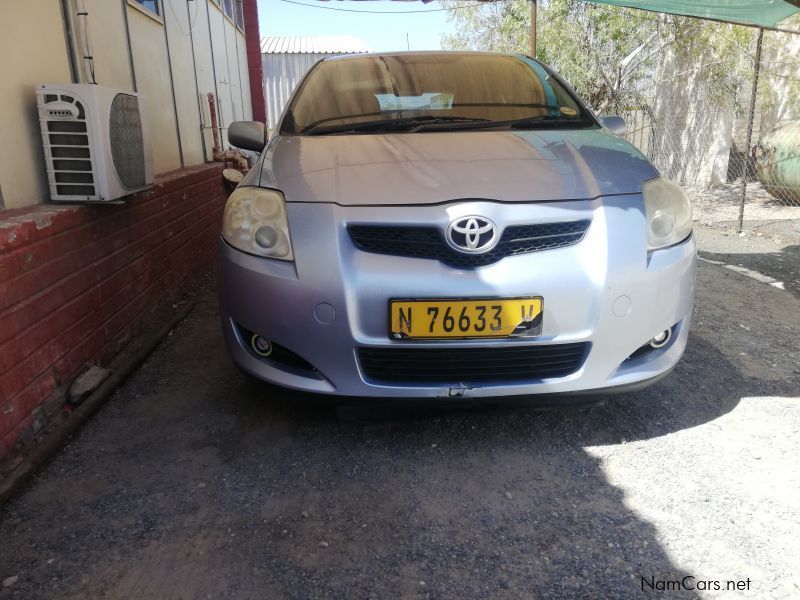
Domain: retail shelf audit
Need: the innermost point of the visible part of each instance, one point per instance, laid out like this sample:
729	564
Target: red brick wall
76	282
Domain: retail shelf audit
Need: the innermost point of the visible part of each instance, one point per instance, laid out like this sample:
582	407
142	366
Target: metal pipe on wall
212	111
85	42
69	35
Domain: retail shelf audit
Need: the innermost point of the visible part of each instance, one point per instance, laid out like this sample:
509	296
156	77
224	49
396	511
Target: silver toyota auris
451	224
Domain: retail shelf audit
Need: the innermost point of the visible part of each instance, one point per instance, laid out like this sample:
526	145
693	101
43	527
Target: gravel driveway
194	483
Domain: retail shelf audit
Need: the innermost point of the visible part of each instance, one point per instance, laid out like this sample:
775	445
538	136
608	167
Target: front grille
428	242
468	365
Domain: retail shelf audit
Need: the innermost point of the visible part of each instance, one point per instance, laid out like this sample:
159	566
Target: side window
228	8
239	14
151	5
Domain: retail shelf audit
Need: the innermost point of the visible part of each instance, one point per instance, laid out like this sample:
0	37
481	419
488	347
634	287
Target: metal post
750	118
533	29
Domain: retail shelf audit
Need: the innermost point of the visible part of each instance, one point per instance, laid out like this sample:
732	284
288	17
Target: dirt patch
721	204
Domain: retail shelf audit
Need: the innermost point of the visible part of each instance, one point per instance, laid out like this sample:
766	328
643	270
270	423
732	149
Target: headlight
255	222
668	212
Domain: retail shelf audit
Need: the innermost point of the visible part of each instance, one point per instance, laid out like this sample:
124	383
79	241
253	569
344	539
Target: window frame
238	10
236	14
156	16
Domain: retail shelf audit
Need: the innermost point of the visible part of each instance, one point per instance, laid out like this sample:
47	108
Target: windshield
427	92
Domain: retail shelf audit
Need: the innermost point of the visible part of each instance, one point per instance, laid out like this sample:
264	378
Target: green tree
583	44
615	57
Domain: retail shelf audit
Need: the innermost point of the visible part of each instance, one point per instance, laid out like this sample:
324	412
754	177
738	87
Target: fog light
260	345
660	340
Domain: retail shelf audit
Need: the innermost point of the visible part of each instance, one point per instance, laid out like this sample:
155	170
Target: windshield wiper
545	121
448	123
526	123
409	123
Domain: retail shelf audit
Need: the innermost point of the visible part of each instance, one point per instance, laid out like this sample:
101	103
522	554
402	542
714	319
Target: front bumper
606	290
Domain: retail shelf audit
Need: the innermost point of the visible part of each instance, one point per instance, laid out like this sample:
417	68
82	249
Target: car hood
426	168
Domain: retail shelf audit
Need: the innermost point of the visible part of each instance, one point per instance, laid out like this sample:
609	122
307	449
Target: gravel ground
194	483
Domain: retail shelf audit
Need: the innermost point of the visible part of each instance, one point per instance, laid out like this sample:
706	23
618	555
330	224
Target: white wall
693	134
282	73
150	61
22	176
781	70
178	16
232	80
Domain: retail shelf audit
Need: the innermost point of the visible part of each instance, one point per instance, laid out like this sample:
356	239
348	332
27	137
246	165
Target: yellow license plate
441	319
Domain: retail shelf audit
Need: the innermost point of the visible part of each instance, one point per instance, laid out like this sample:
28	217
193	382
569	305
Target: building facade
174	52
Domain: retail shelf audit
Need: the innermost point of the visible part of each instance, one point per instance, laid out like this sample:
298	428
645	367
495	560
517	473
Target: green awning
766	13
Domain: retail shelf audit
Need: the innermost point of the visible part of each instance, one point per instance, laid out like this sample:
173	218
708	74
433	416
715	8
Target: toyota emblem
473	234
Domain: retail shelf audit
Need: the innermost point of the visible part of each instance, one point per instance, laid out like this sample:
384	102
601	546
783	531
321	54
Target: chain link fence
734	147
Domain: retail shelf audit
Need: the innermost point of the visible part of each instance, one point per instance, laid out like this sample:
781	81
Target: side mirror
614	124
248	135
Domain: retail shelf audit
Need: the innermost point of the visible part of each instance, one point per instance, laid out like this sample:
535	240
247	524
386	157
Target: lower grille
466	365
428	242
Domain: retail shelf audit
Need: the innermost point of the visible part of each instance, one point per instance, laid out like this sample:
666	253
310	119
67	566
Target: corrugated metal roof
313	44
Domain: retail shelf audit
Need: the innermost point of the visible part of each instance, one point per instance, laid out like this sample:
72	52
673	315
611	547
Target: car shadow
478	499
688	397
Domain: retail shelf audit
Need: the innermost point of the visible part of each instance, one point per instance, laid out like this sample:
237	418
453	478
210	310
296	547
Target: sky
381	32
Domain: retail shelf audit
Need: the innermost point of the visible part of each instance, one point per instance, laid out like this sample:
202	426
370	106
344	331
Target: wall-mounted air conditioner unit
96	143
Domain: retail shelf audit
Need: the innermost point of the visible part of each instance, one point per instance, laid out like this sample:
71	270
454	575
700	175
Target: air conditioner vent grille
66	126
66	134
69	152
69	139
127	144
